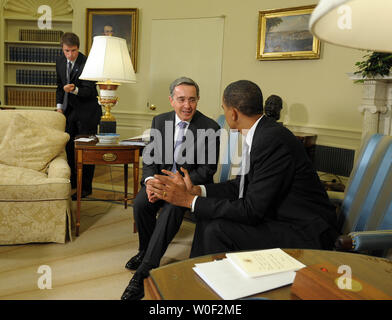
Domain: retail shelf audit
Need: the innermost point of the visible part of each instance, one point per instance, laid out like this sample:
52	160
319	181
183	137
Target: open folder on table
225	278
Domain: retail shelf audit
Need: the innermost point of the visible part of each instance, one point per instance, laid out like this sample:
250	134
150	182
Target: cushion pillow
30	145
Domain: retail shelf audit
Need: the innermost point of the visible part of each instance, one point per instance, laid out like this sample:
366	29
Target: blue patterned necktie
177	146
68	78
244	168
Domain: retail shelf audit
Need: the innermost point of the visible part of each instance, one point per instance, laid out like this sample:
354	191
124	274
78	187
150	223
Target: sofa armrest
59	168
371	240
335	195
365	240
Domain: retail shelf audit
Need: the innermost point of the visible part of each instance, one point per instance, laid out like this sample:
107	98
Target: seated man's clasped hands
174	188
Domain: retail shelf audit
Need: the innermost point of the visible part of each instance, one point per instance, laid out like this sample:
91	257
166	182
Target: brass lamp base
107	99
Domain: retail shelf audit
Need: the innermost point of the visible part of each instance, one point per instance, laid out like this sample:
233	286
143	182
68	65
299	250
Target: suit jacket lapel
76	67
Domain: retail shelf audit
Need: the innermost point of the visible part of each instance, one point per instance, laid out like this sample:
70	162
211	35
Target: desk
94	153
178	281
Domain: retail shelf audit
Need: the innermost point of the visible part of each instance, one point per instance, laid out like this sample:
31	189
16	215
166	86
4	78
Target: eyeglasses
182	100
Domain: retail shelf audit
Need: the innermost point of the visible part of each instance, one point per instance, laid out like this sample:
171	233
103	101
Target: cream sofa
35	188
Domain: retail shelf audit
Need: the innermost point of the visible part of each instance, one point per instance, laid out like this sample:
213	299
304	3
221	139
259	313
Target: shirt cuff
59	106
193	204
203	190
203	194
76	90
148	178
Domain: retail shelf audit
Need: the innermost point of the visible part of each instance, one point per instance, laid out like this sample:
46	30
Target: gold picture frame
283	34
122	23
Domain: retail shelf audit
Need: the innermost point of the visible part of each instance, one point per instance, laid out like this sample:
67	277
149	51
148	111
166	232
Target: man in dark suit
77	100
183	137
277	201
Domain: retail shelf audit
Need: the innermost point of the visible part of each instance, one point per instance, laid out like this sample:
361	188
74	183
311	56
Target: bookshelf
28	62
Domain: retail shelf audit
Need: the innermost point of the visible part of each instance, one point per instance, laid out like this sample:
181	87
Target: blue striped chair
227	153
366	211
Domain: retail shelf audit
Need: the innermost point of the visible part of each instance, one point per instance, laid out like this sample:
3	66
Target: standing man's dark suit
82	110
284	203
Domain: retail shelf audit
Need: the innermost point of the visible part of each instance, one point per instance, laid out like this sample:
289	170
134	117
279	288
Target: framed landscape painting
122	23
284	34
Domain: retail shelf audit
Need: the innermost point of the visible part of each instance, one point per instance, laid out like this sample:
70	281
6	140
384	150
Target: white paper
264	262
132	143
84	139
231	284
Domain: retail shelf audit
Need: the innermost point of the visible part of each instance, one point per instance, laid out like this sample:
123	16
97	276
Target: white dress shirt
176	131
248	138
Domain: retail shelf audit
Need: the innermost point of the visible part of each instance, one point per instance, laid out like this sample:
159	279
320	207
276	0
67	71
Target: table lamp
360	24
110	64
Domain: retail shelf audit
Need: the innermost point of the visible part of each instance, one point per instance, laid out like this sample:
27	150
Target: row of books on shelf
31	98
38	77
32	54
40	35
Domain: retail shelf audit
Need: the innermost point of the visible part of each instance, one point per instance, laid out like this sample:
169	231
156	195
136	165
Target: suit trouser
155	233
76	127
221	235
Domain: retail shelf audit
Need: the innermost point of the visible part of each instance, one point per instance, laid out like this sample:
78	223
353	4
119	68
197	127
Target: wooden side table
95	153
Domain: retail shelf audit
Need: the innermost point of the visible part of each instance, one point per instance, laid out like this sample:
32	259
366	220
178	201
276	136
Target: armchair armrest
59	168
365	240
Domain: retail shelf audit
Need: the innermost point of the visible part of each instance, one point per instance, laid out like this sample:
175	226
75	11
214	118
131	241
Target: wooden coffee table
178	281
95	153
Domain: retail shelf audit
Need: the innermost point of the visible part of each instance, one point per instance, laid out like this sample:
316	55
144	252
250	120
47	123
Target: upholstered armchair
365	214
34	180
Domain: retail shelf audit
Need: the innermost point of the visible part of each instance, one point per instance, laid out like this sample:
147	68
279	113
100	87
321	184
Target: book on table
263	262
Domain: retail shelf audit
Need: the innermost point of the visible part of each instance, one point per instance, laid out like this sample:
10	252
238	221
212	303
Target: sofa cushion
30	145
21	184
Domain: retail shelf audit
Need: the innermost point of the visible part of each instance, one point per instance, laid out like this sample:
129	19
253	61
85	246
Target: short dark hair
184	80
244	95
70	39
273	106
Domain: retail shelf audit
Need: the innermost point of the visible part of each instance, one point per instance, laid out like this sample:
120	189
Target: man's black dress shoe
83	195
135	261
135	288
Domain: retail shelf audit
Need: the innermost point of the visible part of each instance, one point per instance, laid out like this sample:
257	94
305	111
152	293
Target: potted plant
375	64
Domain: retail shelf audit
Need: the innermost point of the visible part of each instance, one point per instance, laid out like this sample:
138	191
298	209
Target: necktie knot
182	124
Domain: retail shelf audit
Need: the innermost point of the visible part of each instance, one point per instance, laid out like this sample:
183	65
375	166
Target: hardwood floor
108	183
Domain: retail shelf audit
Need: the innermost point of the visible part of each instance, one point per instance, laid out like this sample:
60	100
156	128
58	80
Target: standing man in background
77	100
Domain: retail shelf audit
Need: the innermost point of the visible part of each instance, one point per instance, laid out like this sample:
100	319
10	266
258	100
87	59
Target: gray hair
183	80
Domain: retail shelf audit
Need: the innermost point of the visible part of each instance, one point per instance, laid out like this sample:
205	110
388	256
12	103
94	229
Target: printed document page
231	284
264	262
